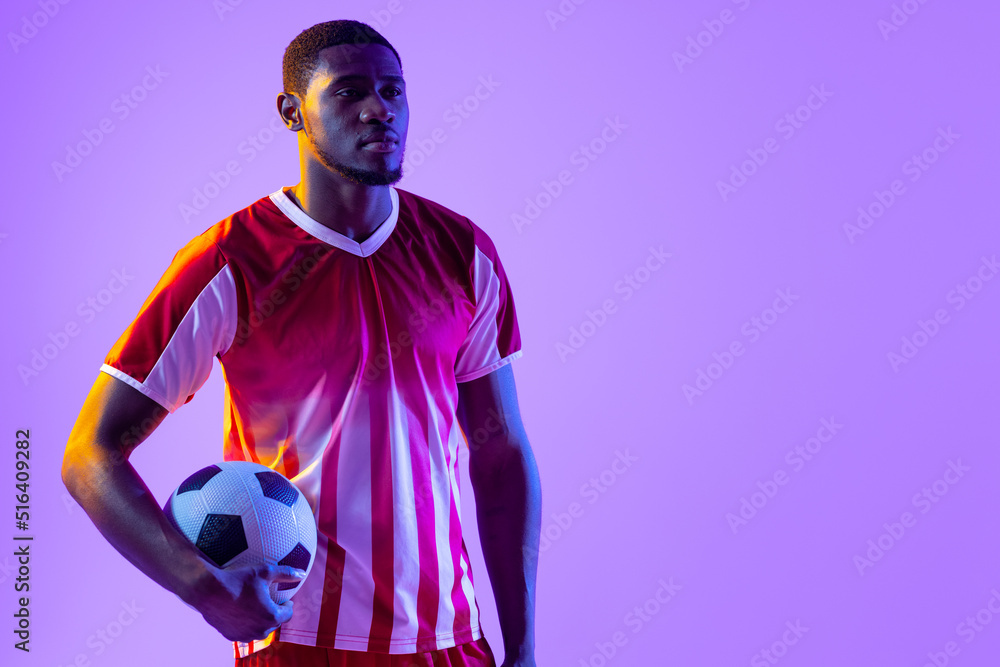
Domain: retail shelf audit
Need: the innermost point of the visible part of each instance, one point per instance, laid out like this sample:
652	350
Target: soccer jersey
341	362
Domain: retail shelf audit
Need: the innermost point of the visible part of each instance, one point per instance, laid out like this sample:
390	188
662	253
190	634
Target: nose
377	110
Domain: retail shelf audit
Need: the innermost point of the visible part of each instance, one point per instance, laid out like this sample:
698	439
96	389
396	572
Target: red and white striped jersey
341	362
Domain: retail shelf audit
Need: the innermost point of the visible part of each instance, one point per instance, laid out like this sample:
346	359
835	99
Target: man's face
355	113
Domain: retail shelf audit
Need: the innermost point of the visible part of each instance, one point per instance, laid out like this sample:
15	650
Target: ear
290	110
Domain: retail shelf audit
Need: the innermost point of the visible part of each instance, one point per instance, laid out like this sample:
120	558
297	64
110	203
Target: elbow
499	457
87	464
71	466
78	465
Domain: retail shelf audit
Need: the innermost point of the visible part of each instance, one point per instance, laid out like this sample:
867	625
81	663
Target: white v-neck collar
334	238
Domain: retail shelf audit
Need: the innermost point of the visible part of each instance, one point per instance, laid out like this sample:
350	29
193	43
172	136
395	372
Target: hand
236	601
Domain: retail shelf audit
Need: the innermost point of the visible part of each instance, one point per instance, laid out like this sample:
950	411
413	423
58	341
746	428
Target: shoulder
223	248
237	233
430	214
427	210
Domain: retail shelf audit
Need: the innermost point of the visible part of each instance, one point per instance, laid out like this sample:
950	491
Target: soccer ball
243	513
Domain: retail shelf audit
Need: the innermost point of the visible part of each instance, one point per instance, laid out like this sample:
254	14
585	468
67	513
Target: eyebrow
364	77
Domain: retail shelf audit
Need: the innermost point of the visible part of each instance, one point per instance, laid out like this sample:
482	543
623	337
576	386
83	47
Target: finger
286	574
264	571
280	573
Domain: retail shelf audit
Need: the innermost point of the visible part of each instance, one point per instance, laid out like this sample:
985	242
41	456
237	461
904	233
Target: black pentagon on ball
222	538
298	557
275	486
199	479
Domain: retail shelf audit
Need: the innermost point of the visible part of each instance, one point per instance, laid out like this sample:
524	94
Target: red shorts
283	654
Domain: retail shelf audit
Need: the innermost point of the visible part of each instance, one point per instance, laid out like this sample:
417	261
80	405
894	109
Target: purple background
693	458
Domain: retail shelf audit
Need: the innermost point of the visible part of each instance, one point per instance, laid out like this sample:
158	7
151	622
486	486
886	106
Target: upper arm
490	417
114	419
487	399
163	357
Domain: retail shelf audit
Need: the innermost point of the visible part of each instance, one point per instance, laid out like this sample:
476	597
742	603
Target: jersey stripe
443	479
350	465
458	599
424	494
467	588
406	559
382	533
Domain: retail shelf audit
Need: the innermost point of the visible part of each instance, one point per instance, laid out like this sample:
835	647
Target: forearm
508	509
126	513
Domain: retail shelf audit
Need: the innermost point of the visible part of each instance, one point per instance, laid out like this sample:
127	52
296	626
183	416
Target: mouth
384	146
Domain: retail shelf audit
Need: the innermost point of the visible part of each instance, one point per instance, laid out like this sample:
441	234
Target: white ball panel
277	528
189	512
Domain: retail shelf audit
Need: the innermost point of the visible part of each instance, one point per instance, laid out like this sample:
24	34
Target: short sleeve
189	318
494	339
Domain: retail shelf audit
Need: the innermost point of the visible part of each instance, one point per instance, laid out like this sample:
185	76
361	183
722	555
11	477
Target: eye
347	92
394	92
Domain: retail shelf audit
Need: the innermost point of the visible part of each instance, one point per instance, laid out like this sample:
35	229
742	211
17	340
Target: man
357	326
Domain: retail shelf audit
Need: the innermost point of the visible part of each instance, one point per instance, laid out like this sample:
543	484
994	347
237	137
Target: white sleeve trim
489	369
143	389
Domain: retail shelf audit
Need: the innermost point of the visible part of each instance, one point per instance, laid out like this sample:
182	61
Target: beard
361	176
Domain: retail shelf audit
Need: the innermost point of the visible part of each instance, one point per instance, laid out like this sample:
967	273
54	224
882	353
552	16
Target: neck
345	207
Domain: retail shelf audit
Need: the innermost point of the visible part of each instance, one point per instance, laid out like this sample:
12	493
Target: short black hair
302	55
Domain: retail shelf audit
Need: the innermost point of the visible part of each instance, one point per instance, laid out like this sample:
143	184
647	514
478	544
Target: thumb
283	613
